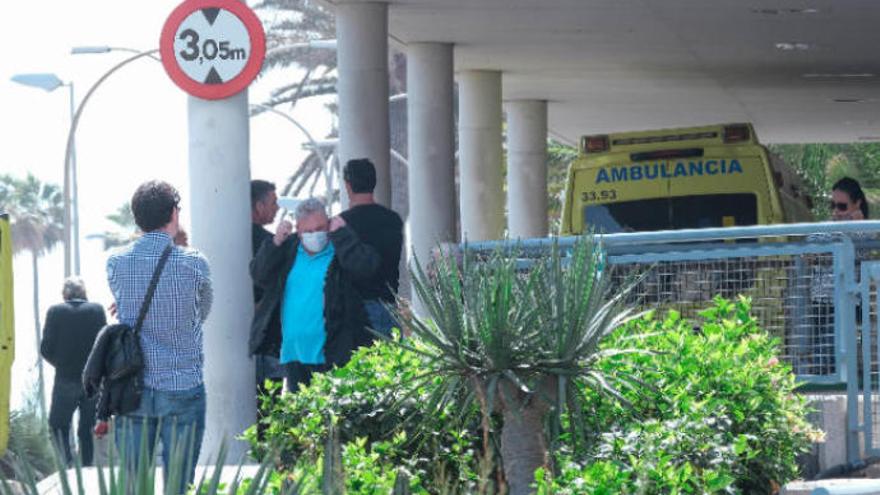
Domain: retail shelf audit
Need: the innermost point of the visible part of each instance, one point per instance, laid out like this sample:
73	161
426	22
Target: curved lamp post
84	50
74	121
311	139
80	50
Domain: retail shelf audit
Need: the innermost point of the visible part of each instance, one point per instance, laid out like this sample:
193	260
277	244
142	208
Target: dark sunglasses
839	206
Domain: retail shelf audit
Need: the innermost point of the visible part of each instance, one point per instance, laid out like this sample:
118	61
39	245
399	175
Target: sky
133	129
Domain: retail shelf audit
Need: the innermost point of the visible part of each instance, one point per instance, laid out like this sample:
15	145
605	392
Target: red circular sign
212	49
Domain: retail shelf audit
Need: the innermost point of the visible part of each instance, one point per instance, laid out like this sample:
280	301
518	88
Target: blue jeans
379	317
172	417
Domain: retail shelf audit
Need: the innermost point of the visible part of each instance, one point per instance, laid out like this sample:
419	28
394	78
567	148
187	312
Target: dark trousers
268	369
67	396
301	373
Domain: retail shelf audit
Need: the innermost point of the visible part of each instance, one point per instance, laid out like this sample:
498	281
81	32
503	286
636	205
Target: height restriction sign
212	48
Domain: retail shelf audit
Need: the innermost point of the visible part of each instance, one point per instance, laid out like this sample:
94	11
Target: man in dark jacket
310	277
264	207
381	229
68	335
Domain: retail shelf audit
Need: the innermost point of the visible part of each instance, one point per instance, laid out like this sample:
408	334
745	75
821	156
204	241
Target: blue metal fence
804	282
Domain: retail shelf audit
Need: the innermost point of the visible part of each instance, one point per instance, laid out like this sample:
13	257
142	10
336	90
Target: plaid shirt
171	338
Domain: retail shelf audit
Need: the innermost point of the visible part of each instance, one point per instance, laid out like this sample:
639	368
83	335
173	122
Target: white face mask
315	242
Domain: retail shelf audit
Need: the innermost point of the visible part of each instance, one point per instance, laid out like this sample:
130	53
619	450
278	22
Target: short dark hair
153	204
259	190
854	190
361	175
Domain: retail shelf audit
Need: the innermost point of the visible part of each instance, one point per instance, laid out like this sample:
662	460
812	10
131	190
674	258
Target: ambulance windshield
687	212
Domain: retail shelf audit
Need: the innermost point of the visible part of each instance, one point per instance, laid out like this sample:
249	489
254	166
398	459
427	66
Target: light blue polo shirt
302	309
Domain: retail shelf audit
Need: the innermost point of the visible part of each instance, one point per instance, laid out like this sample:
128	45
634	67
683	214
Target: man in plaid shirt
173	401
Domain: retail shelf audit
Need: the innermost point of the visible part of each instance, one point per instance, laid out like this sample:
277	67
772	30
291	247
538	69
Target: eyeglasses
839	206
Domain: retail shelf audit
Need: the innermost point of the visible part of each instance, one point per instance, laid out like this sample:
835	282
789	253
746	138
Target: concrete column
480	155
362	54
219	171
526	168
429	83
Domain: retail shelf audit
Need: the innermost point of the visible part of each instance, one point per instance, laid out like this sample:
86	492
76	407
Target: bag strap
152	289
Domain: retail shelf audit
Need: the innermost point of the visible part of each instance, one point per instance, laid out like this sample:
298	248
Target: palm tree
125	230
36	210
291	23
520	343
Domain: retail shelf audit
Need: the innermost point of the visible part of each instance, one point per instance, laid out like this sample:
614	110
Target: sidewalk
52	484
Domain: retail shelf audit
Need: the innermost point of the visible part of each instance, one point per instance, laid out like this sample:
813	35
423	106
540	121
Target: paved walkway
860	486
52	484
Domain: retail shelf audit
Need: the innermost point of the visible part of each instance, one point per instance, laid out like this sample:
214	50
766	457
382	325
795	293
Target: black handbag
126	357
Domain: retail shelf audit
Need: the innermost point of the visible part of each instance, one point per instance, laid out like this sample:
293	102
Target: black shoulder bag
125	355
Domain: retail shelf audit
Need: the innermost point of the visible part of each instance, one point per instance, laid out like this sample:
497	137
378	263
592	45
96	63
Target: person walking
172	405
68	336
380	229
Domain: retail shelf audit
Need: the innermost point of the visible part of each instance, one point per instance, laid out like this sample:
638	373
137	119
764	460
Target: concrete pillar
219	171
526	168
362	54
430	84
480	155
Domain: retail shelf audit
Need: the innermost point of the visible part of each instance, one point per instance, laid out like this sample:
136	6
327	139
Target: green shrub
378	404
717	412
708	409
29	439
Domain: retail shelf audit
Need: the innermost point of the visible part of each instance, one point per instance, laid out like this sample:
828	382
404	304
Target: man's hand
285	229
101	429
336	223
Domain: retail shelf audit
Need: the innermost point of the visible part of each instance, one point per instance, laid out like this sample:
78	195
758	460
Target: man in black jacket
68	335
264	207
310	278
381	229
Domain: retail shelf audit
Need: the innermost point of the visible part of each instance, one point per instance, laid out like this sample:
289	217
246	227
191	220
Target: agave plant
115	479
520	342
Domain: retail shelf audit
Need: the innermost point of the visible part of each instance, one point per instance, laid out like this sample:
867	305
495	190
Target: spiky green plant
114	479
519	342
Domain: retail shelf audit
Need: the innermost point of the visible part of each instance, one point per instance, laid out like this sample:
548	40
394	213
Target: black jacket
345	319
271	343
117	396
68	335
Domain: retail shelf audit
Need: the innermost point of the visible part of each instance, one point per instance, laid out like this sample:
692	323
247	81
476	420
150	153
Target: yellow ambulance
7	328
669	179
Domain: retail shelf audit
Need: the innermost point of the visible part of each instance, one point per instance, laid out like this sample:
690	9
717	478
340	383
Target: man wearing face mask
308	277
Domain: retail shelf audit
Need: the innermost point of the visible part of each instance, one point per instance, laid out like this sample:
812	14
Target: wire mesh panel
792	294
870	375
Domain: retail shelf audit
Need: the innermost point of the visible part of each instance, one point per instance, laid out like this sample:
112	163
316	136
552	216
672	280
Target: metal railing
804	282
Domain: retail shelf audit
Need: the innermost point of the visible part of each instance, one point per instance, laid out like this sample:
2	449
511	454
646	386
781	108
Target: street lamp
308	136
69	153
85	50
49	83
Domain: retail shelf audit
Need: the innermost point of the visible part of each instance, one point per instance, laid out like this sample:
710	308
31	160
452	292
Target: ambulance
684	178
7	328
